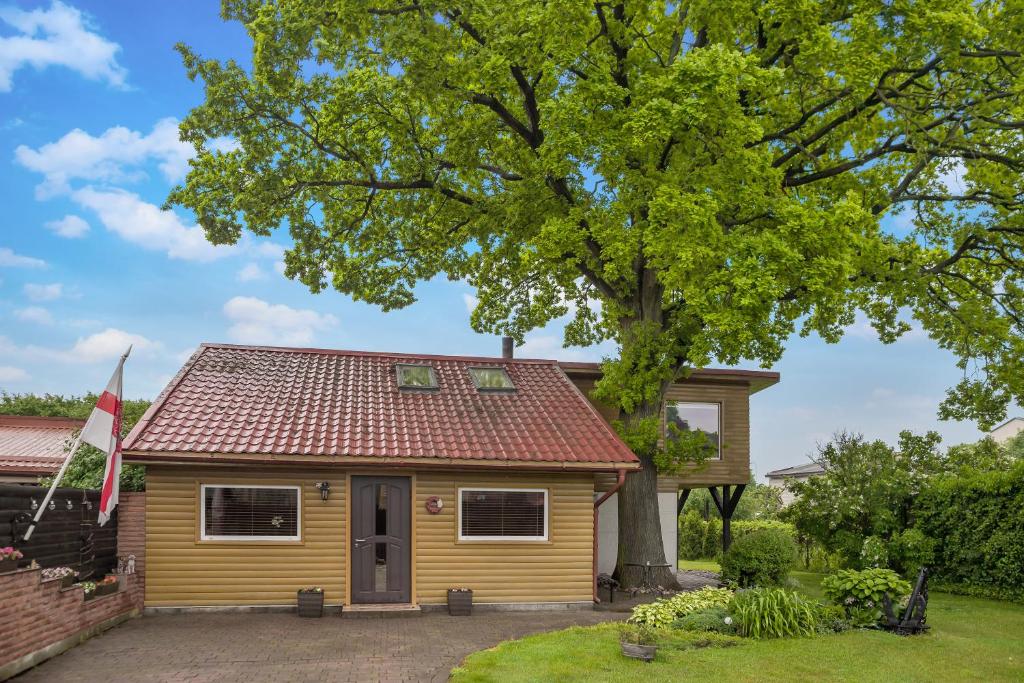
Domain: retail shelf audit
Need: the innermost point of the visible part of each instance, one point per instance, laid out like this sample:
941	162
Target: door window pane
381	510
380	567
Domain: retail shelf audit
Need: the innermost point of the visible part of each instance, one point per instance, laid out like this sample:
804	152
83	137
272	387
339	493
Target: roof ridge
376	354
156	405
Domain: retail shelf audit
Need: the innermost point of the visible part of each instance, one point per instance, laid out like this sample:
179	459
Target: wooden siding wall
181	570
559	570
734	467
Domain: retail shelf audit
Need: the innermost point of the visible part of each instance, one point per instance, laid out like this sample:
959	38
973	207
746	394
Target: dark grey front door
380	539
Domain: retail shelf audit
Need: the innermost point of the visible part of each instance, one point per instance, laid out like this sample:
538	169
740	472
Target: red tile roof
266	401
34	445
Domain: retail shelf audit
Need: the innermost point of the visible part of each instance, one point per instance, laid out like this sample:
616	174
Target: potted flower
460	602
66	575
9	559
311	601
638	641
89	588
107	586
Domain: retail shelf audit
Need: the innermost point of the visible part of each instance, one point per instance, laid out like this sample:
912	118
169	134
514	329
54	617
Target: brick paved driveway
253	648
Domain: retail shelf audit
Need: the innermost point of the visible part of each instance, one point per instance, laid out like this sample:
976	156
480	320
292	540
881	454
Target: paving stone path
258	648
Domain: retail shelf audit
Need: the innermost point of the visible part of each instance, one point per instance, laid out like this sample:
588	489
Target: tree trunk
640	540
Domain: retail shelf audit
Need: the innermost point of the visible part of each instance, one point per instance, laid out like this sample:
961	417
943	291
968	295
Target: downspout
608	494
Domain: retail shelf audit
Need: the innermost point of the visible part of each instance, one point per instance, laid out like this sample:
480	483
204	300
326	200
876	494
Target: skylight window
416	376
491	379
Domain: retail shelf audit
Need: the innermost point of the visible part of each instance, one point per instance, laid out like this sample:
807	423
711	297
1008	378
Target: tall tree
694	180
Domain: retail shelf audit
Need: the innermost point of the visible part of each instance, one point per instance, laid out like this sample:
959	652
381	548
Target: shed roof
34	445
234	402
810	468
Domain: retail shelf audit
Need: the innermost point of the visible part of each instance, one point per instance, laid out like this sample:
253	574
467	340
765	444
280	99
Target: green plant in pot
638	641
311	602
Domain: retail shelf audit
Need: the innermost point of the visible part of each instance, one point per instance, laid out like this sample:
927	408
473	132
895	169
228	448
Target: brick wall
40	619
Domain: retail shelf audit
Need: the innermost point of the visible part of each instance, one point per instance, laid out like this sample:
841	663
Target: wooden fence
67	535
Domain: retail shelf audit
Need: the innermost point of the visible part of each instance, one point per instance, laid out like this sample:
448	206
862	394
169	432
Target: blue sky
89	96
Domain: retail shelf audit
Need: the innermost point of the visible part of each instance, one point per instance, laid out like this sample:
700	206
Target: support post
726	503
682	501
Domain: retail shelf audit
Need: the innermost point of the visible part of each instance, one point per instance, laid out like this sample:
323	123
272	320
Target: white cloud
111	157
34	314
44	292
250	272
70	226
470	301
255	321
58	36
106	345
550	346
279	267
9	259
9	373
148	226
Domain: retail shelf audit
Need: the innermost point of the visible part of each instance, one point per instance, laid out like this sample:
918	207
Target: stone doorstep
381	610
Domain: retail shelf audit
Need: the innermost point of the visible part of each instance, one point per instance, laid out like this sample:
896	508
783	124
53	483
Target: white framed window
503	514
242	512
690	416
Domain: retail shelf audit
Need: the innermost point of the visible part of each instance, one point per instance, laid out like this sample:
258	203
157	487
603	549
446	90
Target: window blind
503	514
251	512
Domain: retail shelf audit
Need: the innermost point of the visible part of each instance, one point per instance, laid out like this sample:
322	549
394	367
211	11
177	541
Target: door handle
360	540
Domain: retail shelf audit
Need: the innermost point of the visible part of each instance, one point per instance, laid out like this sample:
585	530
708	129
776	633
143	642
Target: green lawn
972	639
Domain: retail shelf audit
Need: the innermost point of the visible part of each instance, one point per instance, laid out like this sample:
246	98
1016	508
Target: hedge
976	520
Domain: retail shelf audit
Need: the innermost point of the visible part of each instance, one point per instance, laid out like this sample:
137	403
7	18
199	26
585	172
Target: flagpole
53	487
63	468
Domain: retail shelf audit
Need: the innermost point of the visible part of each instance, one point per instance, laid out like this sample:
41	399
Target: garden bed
971	639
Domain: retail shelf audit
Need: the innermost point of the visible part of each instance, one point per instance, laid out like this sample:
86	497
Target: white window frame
203	536
505	539
721	409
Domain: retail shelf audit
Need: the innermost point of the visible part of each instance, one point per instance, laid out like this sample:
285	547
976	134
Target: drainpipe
608	494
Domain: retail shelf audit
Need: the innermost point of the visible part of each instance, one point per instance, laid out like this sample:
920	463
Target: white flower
728	621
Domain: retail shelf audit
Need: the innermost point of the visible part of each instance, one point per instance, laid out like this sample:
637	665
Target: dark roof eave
755	379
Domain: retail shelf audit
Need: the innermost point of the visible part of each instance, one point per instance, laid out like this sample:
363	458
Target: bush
773	613
911	550
975	521
712	538
691	536
662	613
860	592
832	619
712	620
761	558
874	553
748	526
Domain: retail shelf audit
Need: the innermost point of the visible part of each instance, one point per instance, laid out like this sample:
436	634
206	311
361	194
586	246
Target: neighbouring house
390	478
1007	430
780	478
33	447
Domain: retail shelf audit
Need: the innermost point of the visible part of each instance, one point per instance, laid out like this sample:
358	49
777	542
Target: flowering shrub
860	592
58	573
9	553
662	613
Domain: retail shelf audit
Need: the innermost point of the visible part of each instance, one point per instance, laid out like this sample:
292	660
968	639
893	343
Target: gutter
607	494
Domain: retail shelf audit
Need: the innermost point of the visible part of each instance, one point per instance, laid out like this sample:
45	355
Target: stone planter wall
40	619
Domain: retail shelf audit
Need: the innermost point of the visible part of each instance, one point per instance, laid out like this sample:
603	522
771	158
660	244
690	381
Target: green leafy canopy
694	180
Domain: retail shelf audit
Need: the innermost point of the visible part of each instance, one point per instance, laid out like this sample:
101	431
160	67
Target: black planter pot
8	565
311	603
68	581
460	603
